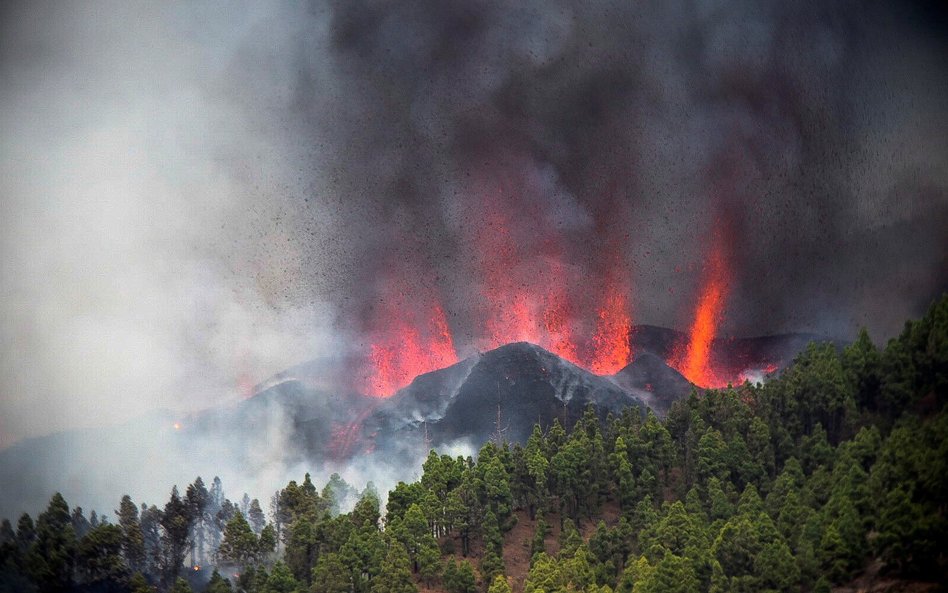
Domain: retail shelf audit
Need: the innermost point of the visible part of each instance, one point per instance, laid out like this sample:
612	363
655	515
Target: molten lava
529	291
558	332
611	345
693	360
559	338
509	309
409	349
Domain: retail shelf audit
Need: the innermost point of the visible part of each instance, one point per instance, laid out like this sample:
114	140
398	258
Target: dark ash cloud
192	194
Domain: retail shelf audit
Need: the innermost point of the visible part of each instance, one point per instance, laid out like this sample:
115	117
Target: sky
195	196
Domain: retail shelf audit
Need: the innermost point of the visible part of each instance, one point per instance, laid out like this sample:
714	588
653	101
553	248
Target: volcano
498	394
306	418
503	392
650	379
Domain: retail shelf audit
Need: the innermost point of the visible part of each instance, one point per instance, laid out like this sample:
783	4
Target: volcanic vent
502	393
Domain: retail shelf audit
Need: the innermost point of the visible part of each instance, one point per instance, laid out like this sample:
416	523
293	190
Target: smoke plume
196	196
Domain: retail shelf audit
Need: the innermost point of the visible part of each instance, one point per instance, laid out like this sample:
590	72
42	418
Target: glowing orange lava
407	350
509	310
559	339
694	360
611	347
529	289
558	333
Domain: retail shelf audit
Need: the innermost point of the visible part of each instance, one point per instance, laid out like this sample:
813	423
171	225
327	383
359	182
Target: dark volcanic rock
656	383
508	389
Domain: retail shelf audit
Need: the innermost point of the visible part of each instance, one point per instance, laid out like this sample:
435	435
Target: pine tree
198	498
577	571
80	525
538	472
862	364
413	532
791	519
133	539
833	555
331	575
492	564
622	470
712	456
719	507
25	532
280	580
100	558
138	584
151	523
776	568
335	493
675	531
302	548
52	555
900	537
570	539
537	544
176	528
429	563
395	576
366	511
499	585
467	582
266	543
239	546
736	546
255	516
218	584
7	535
636	577
673	574
181	586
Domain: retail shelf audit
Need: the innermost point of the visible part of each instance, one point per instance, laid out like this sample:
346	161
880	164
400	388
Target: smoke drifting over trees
195	198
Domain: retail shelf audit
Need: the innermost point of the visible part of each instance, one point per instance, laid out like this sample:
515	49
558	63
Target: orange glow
408	350
559	336
345	437
509	308
611	347
694	360
177	425
526	293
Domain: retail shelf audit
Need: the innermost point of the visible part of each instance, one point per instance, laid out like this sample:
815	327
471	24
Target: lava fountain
693	359
611	345
414	340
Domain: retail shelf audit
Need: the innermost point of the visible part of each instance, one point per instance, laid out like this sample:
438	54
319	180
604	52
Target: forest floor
517	544
872	582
